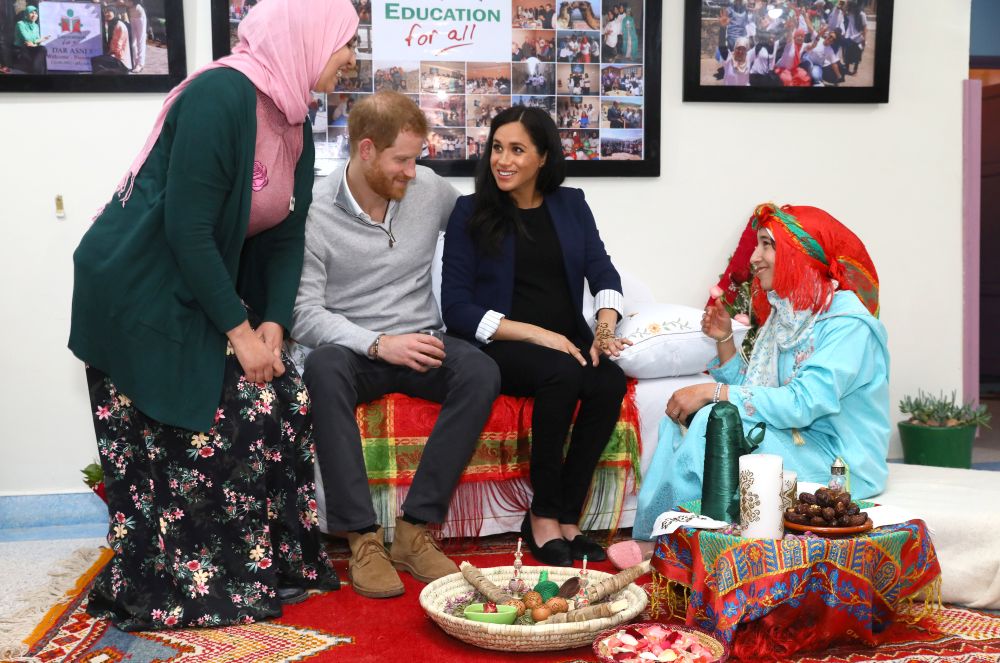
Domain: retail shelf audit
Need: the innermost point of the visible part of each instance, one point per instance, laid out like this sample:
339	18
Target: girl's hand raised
716	322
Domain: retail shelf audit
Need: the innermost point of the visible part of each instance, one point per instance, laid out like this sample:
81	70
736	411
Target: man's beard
382	184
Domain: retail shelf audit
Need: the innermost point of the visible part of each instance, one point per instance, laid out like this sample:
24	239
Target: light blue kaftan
834	398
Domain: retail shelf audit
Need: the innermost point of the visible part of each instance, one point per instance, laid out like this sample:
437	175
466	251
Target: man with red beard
364	296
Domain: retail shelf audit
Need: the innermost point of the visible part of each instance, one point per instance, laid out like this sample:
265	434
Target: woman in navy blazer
515	258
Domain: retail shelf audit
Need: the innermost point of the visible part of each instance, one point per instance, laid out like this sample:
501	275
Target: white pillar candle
760	496
789	488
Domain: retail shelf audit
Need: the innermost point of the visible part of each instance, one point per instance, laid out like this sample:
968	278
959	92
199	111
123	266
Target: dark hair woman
515	258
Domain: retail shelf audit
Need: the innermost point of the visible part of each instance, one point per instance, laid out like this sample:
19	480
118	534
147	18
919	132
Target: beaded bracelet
718	391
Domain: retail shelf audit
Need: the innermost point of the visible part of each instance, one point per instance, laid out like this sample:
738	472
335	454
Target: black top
541	294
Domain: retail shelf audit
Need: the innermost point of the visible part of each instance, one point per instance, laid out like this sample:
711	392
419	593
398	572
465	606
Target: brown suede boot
414	549
370	569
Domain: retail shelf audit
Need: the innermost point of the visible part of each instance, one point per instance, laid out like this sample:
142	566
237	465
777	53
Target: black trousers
32	59
339	379
557	381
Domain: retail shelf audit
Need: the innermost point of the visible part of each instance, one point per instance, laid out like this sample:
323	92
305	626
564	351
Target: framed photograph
594	65
91	45
819	51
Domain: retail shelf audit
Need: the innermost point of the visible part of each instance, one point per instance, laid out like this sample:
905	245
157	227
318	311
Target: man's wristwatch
373	348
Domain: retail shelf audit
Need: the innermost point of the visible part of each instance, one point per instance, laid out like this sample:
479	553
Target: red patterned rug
342	626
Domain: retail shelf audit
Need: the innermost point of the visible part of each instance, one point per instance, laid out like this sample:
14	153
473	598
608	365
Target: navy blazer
473	284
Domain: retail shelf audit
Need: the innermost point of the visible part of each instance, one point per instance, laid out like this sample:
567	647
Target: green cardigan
159	282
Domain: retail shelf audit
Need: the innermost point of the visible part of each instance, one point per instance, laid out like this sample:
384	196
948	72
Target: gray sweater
354	286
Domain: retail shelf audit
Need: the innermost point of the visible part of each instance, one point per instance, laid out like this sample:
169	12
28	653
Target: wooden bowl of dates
827	513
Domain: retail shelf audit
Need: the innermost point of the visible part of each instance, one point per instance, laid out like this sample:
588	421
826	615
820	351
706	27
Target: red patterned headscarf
813	250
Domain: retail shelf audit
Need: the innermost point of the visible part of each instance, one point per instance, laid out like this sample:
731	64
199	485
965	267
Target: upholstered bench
494	491
962	510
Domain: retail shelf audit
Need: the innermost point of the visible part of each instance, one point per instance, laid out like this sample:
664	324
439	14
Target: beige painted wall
892	172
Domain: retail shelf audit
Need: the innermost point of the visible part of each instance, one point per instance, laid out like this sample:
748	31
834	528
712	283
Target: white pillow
667	341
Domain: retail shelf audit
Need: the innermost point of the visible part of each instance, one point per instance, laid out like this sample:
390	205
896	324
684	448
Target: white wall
891	172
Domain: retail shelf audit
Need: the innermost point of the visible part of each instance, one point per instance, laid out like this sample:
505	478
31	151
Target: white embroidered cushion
667	341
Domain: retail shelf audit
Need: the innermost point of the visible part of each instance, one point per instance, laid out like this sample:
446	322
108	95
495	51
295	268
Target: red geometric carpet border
343	626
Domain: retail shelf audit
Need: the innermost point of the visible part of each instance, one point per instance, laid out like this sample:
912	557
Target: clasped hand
258	350
421	352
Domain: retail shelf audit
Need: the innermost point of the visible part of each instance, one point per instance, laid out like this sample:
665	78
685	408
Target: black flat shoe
554	553
583	545
290	595
331	583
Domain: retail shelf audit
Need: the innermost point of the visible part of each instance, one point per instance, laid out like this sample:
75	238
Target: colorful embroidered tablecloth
856	585
395	428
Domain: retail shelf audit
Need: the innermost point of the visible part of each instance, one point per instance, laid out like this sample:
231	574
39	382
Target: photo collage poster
463	62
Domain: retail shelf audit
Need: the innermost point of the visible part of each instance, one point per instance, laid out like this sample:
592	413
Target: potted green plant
940	430
93	476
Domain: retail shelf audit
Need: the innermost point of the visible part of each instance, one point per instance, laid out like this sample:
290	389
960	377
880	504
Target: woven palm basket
538	637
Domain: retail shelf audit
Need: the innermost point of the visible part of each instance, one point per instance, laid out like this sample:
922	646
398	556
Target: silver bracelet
718	390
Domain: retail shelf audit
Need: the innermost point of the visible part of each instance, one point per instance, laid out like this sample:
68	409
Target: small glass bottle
838	476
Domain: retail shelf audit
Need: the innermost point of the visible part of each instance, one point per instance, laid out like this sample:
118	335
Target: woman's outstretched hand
551	339
258	361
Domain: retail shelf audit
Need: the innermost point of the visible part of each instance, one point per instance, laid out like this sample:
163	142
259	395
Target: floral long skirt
205	525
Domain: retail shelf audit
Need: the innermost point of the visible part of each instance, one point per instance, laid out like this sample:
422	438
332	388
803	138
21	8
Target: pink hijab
284	45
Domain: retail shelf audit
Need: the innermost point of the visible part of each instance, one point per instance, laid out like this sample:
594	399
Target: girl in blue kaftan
818	375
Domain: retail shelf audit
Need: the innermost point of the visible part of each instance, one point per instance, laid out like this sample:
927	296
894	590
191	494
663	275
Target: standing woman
32	56
855	36
515	257
116	39
138	22
630	37
612	33
184	286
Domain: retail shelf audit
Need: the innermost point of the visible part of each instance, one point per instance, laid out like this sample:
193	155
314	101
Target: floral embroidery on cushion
656	328
259	176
